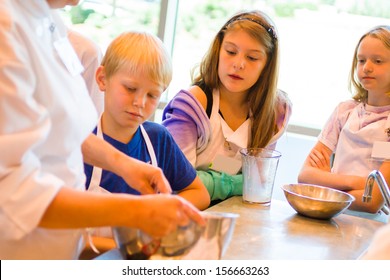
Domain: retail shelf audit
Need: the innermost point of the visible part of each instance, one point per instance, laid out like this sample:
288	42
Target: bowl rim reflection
219	231
349	200
219	215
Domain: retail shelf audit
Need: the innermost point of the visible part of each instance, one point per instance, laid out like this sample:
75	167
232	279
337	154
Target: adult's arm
156	214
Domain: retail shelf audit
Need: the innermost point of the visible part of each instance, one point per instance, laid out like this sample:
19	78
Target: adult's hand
161	214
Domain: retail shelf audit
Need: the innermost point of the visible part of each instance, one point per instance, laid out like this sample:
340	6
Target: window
317	41
102	20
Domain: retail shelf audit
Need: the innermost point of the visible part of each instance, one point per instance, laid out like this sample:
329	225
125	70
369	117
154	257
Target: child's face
373	66
129	100
241	61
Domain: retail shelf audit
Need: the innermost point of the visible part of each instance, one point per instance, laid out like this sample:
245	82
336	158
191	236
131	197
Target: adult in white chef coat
46	117
90	57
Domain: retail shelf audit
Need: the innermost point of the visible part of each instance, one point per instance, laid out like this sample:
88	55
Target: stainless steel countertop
277	232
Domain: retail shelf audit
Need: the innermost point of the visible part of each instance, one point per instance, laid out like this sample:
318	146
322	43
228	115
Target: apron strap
149	146
94	184
97	171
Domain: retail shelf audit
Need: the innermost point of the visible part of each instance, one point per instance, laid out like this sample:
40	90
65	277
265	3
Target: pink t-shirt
350	133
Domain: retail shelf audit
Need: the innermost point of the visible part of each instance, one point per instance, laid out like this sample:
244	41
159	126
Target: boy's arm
196	193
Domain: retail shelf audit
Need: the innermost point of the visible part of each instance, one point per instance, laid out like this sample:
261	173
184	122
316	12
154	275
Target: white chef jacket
45	115
90	56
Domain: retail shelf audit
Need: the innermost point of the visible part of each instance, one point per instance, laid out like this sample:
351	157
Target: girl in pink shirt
355	125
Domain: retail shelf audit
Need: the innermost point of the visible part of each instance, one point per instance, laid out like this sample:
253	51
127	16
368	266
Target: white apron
223	150
354	148
94	184
96	177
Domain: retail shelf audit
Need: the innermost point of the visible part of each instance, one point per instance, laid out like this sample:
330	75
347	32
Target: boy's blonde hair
139	52
382	33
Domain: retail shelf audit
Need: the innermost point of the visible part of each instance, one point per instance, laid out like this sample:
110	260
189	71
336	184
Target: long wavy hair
262	95
359	93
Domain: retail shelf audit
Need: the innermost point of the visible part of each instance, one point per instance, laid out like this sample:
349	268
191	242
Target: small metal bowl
135	244
316	201
185	242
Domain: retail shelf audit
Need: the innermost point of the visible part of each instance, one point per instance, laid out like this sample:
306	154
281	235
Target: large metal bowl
316	201
189	242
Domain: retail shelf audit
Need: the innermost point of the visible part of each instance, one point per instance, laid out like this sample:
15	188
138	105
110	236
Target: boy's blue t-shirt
175	166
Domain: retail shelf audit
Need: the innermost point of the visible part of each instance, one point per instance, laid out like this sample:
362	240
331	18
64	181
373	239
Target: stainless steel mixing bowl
317	201
189	242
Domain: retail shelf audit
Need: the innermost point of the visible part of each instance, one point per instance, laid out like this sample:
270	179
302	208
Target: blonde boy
134	73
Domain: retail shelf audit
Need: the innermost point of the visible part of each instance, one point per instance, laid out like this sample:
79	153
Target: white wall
294	149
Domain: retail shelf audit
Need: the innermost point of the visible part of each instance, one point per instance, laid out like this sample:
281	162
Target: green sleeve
221	185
